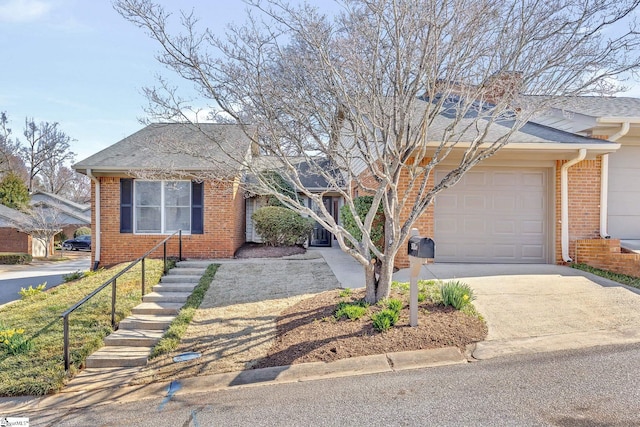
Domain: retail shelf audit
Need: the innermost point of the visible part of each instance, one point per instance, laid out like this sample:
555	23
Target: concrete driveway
537	308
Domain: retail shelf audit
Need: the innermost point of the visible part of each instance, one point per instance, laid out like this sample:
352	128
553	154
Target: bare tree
78	188
384	90
9	148
46	149
42	222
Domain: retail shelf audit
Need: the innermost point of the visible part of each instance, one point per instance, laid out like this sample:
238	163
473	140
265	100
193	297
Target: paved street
12	278
594	387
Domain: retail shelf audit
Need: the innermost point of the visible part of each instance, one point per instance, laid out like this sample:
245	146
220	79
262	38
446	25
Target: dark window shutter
126	205
197	208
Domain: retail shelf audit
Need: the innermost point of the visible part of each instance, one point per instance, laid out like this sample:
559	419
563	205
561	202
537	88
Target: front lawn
39	370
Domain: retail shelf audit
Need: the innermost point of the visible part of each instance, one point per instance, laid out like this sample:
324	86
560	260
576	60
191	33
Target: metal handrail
112	281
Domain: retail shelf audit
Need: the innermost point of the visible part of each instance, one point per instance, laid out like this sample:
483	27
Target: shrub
384	320
15	258
456	294
72	276
281	226
82	231
352	311
28	293
363	205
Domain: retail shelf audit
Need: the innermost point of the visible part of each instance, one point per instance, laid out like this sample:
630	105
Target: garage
624	193
494	215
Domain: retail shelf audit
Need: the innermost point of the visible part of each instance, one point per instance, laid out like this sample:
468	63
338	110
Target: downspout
564	203
96	259
604	182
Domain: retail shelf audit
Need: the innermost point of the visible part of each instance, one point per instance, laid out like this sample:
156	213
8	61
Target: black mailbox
422	247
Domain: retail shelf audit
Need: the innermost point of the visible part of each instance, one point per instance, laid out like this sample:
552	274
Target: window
162	206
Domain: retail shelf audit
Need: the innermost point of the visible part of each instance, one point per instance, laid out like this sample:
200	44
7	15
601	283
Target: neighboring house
617	120
14	240
74	215
160	179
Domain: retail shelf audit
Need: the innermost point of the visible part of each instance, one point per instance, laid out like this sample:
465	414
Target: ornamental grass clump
456	294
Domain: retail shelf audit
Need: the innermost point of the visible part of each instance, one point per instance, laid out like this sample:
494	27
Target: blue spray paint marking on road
171	390
193	418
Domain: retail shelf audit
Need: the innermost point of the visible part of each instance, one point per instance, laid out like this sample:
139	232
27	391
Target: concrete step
146	321
114	357
194	264
179	271
133	338
175	287
180	279
157	308
166	297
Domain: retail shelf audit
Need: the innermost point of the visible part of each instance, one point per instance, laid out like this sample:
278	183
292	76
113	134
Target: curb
97	393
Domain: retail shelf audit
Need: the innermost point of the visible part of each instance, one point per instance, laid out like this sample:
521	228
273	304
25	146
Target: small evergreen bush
281	226
28	293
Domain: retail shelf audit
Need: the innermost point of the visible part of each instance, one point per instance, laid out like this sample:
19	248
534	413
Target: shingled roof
174	146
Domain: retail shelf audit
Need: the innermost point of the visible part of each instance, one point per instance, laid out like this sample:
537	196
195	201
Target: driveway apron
536	308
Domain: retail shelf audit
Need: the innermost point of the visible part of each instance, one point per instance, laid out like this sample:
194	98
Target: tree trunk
371	283
384	278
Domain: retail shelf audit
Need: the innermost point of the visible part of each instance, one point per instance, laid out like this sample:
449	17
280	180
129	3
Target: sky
79	63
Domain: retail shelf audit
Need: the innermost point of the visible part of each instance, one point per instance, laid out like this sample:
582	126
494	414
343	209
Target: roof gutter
564	202
604	181
96	257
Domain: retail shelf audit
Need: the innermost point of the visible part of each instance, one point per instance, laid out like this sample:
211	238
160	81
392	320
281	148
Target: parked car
80	242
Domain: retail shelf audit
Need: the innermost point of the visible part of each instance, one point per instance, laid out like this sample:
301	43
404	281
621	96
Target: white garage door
624	193
493	215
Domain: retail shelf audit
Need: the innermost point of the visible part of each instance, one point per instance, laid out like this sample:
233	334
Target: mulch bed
259	250
307	332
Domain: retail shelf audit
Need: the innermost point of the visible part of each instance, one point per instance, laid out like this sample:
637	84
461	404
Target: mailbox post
420	248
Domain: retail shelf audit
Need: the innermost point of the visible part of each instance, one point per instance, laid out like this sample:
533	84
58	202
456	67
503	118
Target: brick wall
606	254
584	204
224	223
12	240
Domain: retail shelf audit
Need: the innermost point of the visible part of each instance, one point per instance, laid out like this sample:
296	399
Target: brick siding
584	204
607	255
12	240
224	226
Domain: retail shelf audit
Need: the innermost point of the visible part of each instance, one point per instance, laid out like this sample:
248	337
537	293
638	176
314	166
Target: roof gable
174	146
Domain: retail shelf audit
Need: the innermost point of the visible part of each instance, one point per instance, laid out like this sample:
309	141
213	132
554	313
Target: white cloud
19	11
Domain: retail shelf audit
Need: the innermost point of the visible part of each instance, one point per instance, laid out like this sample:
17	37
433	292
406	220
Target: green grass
171	338
617	277
41	370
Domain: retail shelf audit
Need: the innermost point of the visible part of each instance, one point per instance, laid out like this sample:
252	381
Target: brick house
531	202
14	240
163	178
74	215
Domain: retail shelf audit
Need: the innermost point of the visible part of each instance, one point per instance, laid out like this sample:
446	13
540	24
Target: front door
320	236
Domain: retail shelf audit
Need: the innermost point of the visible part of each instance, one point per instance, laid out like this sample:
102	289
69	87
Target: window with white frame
162	206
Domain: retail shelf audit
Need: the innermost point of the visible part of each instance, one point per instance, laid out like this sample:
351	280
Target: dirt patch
258	250
308	332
